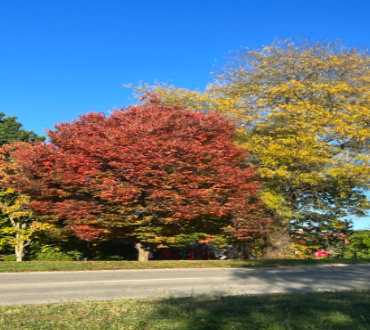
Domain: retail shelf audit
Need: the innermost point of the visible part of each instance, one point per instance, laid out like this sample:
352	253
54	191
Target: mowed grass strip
38	266
347	310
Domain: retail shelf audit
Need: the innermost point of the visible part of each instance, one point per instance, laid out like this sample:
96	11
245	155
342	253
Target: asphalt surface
53	287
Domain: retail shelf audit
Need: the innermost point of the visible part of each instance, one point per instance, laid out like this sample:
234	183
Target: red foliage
157	172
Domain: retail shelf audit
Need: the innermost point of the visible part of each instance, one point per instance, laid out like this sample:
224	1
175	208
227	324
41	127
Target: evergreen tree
11	130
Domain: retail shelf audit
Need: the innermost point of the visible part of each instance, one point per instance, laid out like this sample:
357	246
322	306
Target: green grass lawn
34	266
348	310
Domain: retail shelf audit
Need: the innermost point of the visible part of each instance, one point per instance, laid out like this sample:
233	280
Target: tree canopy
156	173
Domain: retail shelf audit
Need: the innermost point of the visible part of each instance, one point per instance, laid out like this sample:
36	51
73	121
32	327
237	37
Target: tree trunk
19	251
239	255
143	254
279	243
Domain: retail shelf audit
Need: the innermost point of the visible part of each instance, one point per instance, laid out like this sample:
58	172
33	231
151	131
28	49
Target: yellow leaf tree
17	222
303	109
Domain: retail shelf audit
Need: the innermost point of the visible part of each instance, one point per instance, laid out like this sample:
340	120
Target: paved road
52	287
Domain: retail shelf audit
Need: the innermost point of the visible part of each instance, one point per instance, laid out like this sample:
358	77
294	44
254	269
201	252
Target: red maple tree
156	174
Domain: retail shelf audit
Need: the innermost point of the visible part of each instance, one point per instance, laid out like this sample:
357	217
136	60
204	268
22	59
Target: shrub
52	255
359	246
11	257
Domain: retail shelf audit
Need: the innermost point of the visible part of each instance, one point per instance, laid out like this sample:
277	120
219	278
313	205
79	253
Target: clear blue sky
62	58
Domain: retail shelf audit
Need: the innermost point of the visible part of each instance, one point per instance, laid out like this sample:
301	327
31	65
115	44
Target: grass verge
37	266
348	310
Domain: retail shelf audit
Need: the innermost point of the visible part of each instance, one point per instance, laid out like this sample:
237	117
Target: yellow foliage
303	113
17	222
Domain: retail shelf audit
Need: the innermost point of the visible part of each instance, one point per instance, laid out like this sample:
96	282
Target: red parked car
319	254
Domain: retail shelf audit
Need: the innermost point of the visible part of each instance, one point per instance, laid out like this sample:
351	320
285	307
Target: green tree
359	246
11	130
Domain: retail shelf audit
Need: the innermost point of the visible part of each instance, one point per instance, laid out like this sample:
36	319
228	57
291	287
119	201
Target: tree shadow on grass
292	310
328	310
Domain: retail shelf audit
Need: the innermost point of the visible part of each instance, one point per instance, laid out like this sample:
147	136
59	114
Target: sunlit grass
26	266
309	311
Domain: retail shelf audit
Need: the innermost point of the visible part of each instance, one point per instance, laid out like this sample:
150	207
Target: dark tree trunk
278	243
